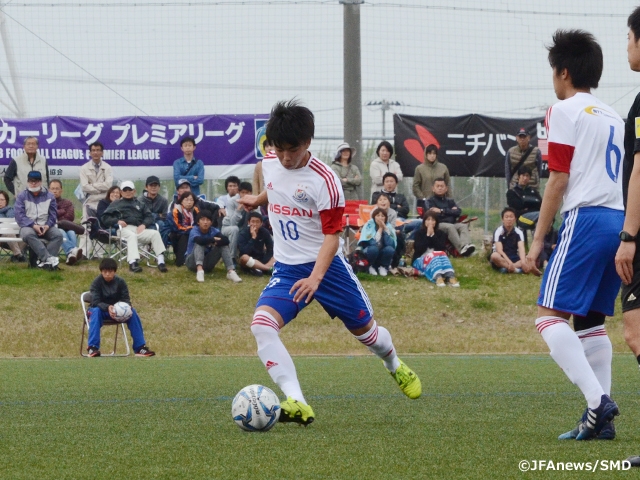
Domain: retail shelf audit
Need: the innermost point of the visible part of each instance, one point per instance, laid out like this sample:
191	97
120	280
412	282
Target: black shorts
630	294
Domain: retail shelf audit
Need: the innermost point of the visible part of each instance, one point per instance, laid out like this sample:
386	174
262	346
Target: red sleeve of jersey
560	156
331	220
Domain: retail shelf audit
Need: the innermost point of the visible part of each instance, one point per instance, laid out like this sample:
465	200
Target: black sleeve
403	211
514	200
9	174
224	240
449	211
440	241
123	291
202	240
268	241
419	244
97	297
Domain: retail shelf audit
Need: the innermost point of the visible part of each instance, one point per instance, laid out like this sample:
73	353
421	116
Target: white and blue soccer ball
123	311
255	408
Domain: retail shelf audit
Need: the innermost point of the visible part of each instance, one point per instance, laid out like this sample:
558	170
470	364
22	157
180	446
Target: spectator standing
15	177
348	173
523	155
382	164
106	290
96	177
448	213
134	219
36	215
426	174
66	224
7	212
508	245
188	167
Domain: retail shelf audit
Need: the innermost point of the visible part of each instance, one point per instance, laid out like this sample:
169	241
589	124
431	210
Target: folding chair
85	301
350	222
103	242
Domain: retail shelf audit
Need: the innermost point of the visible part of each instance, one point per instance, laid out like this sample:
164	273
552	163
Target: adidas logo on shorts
631	298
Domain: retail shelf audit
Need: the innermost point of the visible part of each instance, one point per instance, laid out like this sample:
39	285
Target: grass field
169	418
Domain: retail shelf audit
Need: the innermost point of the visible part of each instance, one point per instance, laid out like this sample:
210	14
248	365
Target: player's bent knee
264	322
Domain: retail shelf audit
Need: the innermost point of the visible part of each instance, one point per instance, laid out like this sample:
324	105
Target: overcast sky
438	58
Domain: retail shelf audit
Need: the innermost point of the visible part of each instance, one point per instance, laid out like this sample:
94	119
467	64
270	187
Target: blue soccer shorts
581	274
340	293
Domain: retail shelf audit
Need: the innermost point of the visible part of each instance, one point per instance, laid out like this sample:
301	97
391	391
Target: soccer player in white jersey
585	154
306	204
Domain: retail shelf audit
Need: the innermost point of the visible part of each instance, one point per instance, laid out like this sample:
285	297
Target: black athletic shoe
144	351
93	352
634	461
598	418
135	268
162	267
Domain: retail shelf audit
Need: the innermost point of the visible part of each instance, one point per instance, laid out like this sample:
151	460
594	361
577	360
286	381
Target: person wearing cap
382	164
188	167
134	219
348	173
15	177
36	214
157	204
523	155
426	174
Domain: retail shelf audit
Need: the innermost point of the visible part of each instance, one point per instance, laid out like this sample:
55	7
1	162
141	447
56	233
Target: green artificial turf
479	416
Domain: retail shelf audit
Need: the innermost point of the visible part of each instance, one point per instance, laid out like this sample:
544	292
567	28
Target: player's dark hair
97	144
231	179
255	214
431	148
55	181
108	264
508	209
429	214
387	145
390	174
188	139
633	22
290	124
440	179
578	52
245	186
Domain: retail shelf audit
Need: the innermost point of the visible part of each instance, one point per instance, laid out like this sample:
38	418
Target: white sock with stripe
566	349
274	355
378	340
599	352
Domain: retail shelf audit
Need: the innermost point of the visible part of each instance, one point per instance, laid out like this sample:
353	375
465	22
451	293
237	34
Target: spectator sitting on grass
236	217
106	290
508	245
180	223
378	242
66	224
448	213
36	215
429	253
206	246
255	246
17	248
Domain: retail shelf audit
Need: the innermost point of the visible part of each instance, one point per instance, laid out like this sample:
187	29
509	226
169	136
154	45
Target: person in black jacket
523	198
398	201
106	290
134	219
428	238
448	213
255	246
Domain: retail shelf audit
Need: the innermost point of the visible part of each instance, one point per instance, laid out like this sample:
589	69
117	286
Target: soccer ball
255	408
123	312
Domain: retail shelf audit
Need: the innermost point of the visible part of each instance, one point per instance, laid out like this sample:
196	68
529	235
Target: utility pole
384	106
352	81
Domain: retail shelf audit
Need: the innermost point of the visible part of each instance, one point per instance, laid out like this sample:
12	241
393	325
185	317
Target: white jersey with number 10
296	198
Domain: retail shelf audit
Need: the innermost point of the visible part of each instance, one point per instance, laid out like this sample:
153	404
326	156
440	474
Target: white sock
599	353
378	340
567	351
274	355
161	258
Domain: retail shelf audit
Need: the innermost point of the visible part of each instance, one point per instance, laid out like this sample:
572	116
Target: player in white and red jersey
585	154
306	203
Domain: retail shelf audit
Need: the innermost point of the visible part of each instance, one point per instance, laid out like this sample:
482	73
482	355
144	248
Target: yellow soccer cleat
294	411
408	381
